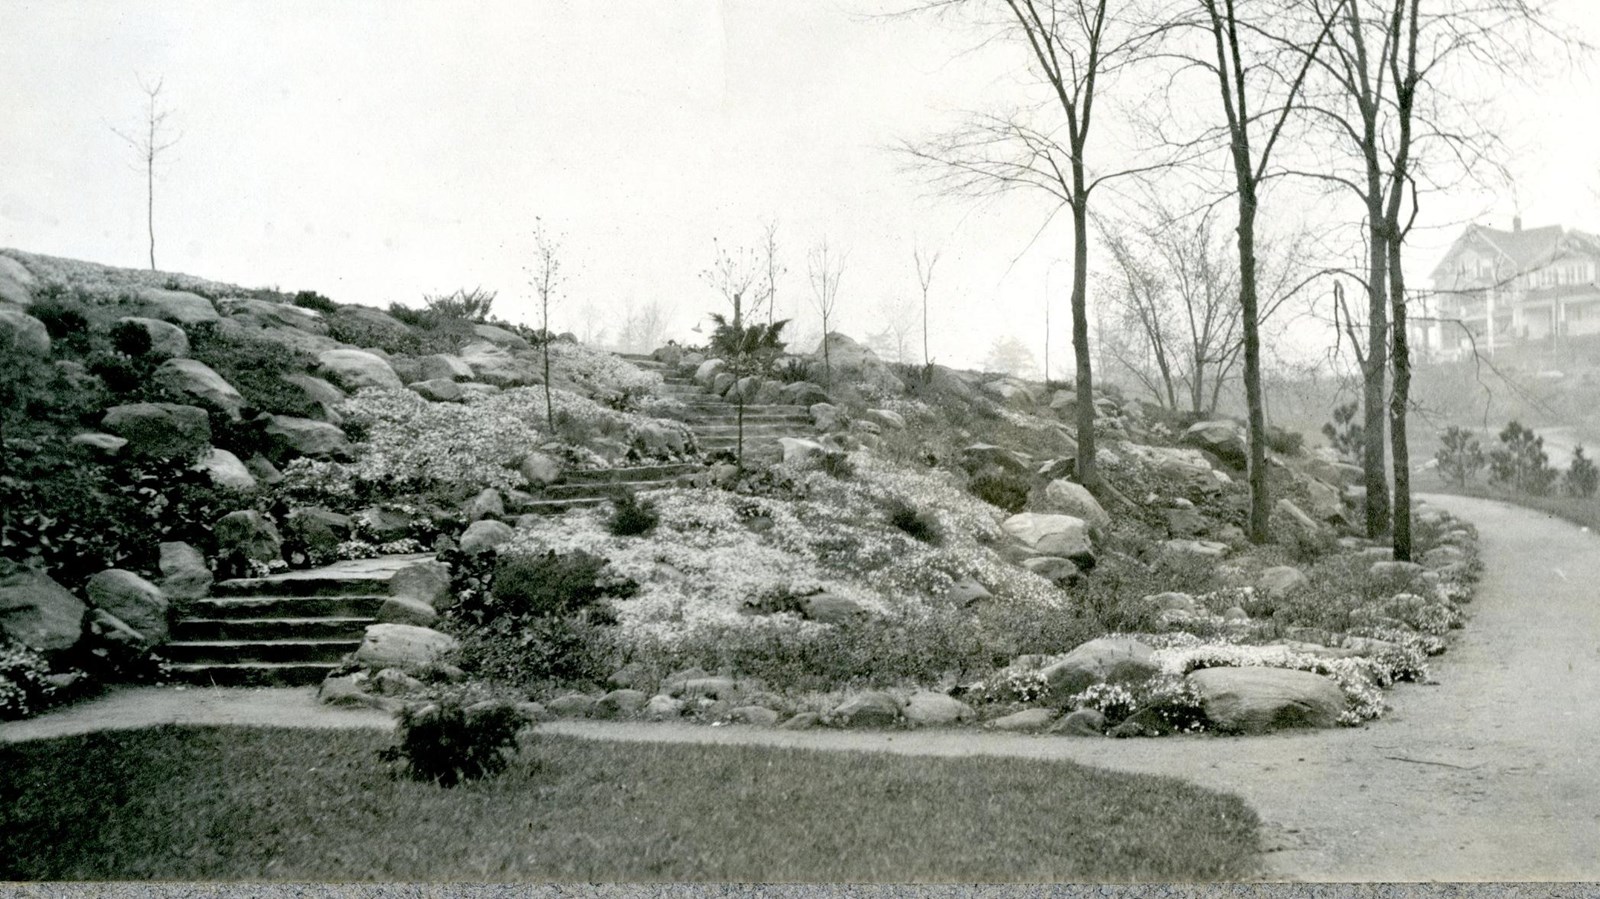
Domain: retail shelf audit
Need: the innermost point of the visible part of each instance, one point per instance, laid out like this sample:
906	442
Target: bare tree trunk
1088	474
1374	371
150	198
1397	406
1260	508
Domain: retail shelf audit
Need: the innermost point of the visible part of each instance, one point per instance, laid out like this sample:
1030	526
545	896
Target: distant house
1533	288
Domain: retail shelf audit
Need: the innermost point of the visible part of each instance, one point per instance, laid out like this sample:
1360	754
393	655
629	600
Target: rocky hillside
236	486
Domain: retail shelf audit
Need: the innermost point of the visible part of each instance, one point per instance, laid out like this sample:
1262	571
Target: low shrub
256	368
1460	456
632	516
1520	464
792	370
310	299
465	305
1004	490
1345	433
1582	478
1285	442
837	465
24	686
915	522
448	742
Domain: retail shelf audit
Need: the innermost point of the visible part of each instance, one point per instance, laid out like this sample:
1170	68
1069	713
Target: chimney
1516	223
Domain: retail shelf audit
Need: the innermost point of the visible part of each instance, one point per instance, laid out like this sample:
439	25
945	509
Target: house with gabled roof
1533	288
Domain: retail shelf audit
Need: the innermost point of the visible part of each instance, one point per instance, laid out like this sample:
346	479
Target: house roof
1523	250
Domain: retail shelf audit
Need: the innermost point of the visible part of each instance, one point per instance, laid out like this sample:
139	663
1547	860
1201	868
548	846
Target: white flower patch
598	372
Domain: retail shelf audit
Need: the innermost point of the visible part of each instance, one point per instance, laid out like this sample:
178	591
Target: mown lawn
232	803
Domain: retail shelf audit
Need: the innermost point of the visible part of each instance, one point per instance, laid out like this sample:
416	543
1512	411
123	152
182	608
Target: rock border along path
1492	774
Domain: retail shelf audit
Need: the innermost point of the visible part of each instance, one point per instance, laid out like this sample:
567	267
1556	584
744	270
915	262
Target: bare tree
824	267
547	279
643	327
899	321
774	269
733	274
925	266
150	142
1073	47
1395	131
1257	91
1178	300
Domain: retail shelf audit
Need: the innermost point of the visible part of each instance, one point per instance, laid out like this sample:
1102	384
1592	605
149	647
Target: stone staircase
716	421
287	629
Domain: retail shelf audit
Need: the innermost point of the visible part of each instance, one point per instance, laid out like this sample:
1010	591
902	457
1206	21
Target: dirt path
1492	774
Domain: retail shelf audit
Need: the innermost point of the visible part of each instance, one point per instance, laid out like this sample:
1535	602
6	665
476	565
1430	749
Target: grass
1579	510
230	803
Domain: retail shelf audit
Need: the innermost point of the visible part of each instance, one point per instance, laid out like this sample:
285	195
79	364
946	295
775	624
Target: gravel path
1492	774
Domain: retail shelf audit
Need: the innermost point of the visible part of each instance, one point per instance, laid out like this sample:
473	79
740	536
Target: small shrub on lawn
1460	456
1520	464
915	522
447	742
632	516
1005	490
1582	478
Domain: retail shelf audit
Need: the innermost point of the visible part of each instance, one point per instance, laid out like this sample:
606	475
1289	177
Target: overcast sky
377	151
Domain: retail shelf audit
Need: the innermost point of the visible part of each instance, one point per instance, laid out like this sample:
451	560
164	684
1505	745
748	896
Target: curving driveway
1493	773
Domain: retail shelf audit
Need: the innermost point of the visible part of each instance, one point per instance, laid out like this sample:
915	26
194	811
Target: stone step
751	430
330	628
235	608
719	444
229	652
355	576
720	416
557	506
602	489
253	674
634	474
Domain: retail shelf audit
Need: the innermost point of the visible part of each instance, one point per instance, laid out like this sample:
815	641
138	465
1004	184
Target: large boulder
981	457
167	341
443	367
539	470
1025	721
16	282
426	581
826	608
706	372
1045	534
316	531
929	709
1257	700
1070	498
306	437
1222	438
870	709
857	361
226	470
1281	580
799	449
355	369
247	534
133	600
438	390
160	430
178	306
22	333
410	648
1117	660
802	393
482	536
319	394
38	612
499	367
501	337
196	380
184	574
